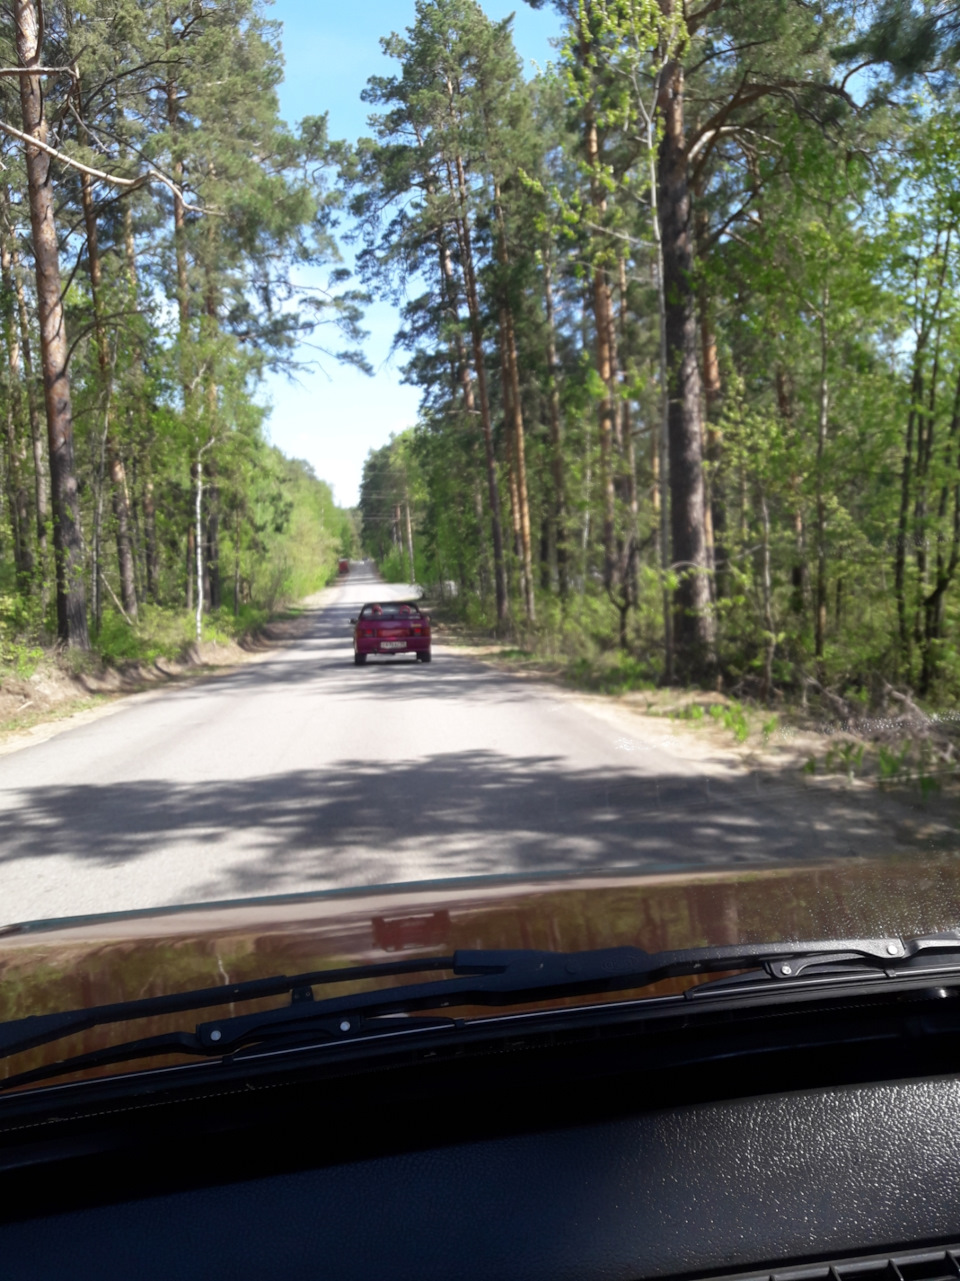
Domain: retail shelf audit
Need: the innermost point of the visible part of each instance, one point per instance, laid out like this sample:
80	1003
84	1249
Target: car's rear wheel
423	656
359	659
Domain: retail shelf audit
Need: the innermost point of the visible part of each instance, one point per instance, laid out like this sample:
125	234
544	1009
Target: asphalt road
300	772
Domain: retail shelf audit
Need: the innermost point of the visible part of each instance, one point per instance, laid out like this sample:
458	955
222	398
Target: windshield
389	612
615	347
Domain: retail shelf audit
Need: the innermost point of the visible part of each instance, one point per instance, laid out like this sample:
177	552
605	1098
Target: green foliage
163	633
394	567
732	717
849	756
173	313
517	223
18	620
891	764
616	673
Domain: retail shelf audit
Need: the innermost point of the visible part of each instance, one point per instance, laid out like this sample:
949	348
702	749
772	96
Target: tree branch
705	138
618	235
695	19
129	183
37	71
724	227
103	579
67	160
112	320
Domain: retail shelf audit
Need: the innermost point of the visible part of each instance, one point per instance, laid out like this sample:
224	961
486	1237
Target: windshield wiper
481	978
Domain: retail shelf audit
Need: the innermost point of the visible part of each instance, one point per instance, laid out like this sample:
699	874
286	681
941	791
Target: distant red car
391	628
344	566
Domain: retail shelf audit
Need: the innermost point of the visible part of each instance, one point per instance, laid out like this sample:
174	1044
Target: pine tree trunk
211	326
215	588
179	226
476	335
19	504
766	586
68	542
661	440
906	489
820	608
98	533
556	434
129	247
946	566
520	455
798	570
714	511
603	328
36	430
483	562
602	313
150	540
694	630
135	496
514	407
194	543
926	427
236	562
409	532
198	540
462	379
516	559
118	482
191	554
15	495
194	539
629	556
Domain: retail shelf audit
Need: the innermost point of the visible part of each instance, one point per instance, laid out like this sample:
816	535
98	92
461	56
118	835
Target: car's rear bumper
413	645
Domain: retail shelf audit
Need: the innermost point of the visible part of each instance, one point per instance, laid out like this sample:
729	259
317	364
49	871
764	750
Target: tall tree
54	351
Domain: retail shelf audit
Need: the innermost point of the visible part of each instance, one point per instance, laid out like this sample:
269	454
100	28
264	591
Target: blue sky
332	416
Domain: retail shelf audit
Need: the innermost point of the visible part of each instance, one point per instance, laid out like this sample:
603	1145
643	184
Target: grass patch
615	673
732	717
59	712
20	619
168	633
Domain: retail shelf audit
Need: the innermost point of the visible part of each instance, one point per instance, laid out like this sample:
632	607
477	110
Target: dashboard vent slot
915	1265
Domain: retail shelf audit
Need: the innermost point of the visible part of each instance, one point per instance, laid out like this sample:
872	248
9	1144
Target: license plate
393	644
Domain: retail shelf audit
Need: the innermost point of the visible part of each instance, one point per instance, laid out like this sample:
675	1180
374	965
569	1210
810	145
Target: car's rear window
390	611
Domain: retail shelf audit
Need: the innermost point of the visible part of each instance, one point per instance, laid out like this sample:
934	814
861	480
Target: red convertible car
391	628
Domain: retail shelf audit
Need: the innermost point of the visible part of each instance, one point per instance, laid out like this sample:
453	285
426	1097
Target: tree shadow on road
454	814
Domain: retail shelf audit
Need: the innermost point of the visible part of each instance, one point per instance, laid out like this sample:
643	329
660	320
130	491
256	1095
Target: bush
19	621
169	633
395	567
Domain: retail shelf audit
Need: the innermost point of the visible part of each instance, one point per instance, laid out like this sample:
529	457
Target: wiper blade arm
18	1035
482	978
187	1043
500	978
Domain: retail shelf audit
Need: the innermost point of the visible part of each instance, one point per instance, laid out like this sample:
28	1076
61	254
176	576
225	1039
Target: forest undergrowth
882	736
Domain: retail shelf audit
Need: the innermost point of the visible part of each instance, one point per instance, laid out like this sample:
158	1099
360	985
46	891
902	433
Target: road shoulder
54	700
804	763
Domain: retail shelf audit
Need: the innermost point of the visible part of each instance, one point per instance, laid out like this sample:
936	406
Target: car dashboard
586	1159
